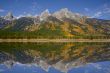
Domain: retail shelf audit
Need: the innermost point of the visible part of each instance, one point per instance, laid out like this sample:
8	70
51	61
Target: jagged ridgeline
60	24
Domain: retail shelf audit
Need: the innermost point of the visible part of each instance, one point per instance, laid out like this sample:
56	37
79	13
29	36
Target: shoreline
54	40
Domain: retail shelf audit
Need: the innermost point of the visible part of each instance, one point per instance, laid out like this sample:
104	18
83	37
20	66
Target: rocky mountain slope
62	23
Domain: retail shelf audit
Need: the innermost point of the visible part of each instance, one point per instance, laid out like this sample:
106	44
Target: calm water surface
54	57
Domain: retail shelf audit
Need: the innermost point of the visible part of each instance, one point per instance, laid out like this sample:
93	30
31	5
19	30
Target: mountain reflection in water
54	57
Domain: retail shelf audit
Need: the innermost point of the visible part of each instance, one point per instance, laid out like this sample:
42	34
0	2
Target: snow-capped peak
9	16
45	14
65	13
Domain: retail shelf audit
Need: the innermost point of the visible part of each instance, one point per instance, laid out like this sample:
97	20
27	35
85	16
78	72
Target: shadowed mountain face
62	23
61	56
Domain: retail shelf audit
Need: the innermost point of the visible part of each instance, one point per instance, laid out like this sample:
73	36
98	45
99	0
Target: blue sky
94	8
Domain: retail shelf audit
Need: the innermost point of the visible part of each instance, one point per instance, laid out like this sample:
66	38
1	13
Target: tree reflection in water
60	56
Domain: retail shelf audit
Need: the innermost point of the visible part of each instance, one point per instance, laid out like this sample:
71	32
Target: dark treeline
48	35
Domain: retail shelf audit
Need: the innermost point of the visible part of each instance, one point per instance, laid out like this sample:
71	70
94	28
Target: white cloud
106	10
86	71
97	14
86	9
1	70
97	66
1	10
34	4
24	12
29	15
102	11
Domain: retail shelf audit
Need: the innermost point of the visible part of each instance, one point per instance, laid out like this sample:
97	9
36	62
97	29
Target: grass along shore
54	40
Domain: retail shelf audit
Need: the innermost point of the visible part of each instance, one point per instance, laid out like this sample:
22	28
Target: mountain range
62	23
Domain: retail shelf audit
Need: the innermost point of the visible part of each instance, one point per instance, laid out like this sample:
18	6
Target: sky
99	67
93	8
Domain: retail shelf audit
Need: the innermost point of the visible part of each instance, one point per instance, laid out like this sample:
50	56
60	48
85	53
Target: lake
53	57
